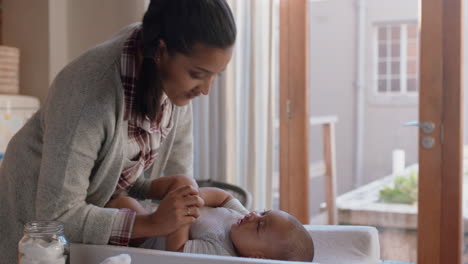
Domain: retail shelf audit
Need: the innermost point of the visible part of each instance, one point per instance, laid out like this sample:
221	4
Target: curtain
234	125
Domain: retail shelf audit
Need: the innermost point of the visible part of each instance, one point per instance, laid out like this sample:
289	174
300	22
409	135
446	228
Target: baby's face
258	235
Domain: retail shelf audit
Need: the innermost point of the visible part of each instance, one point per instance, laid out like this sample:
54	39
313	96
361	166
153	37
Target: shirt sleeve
122	228
73	138
204	247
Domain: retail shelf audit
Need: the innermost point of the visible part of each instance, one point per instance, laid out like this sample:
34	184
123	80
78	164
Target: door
386	62
440	151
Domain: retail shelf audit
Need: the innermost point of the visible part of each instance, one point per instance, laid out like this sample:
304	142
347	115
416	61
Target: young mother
114	112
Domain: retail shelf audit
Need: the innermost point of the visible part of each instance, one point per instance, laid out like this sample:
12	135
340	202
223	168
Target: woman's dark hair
180	24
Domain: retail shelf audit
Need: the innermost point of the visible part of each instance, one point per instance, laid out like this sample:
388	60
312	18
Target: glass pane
382	51
412	49
395	33
382	68
383	34
376	171
382	85
395	51
396	68
412	30
412	85
412	67
395	85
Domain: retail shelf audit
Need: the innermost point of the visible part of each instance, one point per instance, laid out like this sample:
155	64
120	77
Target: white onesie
209	234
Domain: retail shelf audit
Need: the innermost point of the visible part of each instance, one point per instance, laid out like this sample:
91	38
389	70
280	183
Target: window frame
403	97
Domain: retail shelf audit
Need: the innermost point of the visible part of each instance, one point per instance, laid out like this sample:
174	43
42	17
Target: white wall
384	130
91	22
50	33
331	76
26	26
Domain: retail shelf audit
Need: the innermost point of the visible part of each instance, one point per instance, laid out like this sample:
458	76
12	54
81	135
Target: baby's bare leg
126	202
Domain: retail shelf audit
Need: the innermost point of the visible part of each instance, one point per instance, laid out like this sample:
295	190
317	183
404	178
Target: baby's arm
162	186
213	197
127	202
176	240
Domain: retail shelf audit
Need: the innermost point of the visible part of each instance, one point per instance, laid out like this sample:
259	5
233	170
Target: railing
327	167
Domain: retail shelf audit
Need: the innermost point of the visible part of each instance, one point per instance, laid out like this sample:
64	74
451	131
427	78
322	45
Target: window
397	59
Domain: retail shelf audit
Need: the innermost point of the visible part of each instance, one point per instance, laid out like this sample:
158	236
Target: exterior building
363	69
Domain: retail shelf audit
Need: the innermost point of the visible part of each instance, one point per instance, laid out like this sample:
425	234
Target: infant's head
274	235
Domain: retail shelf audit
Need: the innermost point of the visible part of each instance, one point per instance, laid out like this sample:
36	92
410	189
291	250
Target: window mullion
388	59
403	58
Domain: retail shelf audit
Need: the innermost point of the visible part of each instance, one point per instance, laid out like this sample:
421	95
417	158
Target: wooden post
440	167
293	109
1	22
330	174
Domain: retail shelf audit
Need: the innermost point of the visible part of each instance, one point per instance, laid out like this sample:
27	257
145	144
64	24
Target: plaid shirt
144	135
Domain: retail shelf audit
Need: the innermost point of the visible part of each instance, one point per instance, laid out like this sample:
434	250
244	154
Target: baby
225	227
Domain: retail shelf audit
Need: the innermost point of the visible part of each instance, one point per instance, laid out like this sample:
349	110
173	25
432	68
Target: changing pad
333	245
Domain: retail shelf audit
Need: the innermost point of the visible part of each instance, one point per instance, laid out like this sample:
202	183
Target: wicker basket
9	70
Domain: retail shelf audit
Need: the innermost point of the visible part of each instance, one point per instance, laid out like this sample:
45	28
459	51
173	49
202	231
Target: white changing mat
333	245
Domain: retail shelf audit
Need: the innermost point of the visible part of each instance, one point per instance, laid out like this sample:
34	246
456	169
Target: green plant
404	190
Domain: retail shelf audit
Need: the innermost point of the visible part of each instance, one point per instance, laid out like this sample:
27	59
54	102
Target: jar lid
43	226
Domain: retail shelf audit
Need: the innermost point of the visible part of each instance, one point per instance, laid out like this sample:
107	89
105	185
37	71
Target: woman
118	109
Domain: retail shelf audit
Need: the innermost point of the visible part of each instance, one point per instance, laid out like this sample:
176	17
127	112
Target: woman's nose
206	89
207	85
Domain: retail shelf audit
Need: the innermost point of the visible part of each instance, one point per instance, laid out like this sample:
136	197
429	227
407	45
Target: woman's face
186	77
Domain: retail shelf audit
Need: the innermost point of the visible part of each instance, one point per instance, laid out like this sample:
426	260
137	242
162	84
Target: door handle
427	142
426	127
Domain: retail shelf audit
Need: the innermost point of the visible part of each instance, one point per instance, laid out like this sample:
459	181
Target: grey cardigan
65	162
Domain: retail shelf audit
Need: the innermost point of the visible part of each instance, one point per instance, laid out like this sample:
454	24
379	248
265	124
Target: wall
50	33
91	22
332	53
384	130
26	26
331	90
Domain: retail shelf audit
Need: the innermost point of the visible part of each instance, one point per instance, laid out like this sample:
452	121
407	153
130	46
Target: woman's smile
192	94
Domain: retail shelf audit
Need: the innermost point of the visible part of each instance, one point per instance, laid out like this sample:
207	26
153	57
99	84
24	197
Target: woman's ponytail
148	90
149	87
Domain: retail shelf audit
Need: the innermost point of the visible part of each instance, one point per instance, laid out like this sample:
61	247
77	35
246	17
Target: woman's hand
179	207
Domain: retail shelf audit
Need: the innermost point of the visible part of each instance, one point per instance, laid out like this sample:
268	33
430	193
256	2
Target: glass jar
43	242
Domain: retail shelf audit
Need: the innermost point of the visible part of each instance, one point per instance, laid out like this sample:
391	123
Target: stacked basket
9	70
